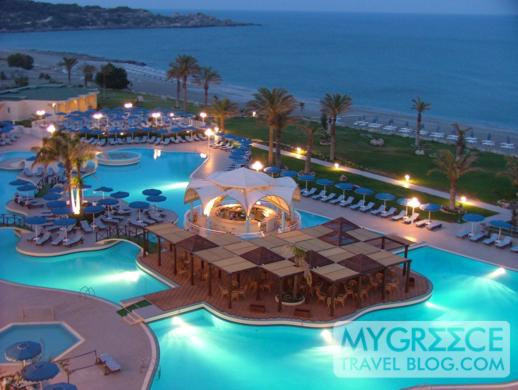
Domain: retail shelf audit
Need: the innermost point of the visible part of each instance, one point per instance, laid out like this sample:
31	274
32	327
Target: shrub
20	60
112	77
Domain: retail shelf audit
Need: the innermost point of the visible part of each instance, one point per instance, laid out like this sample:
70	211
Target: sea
465	66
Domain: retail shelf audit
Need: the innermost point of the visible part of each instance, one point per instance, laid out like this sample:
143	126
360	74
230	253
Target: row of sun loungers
8	139
143	140
488	239
59	239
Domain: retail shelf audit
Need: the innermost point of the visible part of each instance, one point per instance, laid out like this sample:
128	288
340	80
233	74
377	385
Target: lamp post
414	203
209	133
98	116
51	129
128	105
203	115
156	116
257	166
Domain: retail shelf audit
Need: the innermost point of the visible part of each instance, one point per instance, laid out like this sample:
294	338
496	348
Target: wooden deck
187	295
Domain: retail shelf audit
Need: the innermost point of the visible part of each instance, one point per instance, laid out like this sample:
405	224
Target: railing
127	232
13	220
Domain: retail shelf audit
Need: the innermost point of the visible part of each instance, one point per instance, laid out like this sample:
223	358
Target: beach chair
27	172
58	239
463	233
85	226
434	226
109	364
491	239
327	198
367	207
347	202
390	212
76	240
356	206
399	216
379	210
309	192
411	219
43	238
475	237
337	200
100	224
133	221
506	241
422	223
514	249
320	195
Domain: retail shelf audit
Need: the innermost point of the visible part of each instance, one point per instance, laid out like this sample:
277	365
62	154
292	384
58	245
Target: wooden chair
321	297
223	291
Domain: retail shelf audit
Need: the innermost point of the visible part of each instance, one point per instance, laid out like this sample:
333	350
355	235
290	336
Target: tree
274	108
460	143
419	106
69	63
110	76
187	67
310	128
454	167
333	106
300	260
511	172
88	73
20	60
174	73
204	78
221	109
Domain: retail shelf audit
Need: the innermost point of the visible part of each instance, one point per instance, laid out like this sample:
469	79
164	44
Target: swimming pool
55	338
198	348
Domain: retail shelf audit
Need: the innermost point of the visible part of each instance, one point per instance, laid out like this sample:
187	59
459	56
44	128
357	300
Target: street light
51	128
337	166
254	114
156	116
40	113
203	115
414	203
128	105
257	166
209	133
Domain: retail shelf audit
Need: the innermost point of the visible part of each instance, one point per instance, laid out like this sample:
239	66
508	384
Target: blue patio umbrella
108	202
120	195
325	182
473	218
344	187
364	192
19	182
385	197
40	371
404	202
60	386
151	192
288	173
51	196
500	224
307	178
272	170
103	189
22	351
156	198
140	206
93	209
431	208
32	158
65	221
61	211
35	221
56	190
56	204
27	188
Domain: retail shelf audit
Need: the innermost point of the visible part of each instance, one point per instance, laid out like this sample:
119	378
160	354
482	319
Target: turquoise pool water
54	338
198	348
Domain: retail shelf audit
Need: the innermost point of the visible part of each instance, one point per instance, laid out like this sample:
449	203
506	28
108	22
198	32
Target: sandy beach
145	79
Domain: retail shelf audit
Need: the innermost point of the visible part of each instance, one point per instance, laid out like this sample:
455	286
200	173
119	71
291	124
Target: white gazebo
243	202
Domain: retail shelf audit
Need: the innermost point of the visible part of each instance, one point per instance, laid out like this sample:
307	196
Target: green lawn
395	159
113	98
375	185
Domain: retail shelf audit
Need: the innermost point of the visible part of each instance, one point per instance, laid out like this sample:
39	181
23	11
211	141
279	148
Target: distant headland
28	15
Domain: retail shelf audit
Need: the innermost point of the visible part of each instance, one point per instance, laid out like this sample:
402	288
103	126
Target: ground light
128	105
257	166
51	129
496	273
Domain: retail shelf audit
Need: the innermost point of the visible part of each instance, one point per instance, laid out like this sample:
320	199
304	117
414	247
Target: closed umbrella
325	182
499	224
364	192
40	371
385	197
22	351
473	218
140	206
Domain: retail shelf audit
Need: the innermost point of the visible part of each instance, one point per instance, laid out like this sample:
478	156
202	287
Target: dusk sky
423	6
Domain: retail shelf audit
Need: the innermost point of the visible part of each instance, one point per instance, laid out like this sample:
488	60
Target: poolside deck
185	296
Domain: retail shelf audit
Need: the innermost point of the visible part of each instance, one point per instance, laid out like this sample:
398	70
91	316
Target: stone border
80	339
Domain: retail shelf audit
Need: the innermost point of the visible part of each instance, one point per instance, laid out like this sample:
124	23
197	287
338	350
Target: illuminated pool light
496	273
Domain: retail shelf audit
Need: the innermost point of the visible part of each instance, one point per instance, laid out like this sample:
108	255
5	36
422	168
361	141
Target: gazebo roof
362	264
363	234
169	232
269	241
316	260
262	255
195	243
334	272
283	268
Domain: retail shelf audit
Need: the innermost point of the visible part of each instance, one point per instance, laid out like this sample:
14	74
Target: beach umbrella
56	190
27	188
500	224
108	202
22	351
288	173
473	218
404	202
61	211
364	192
307	178
325	182
56	204
120	195
431	208
51	196
60	386
156	199
344	187
140	206
65	222
40	371
32	158
385	197
93	209
35	221
19	182
103	190
151	192
272	170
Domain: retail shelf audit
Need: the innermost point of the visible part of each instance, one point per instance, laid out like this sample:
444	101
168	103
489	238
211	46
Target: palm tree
511	172
419	106
221	109
187	67
88	73
300	260
311	128
273	107
454	167
69	63
174	73
81	154
333	106
204	78
460	144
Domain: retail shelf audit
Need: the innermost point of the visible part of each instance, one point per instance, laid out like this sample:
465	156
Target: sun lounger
337	200
434	226
463	233
491	239
379	210
85	226
43	238
506	241
59	239
514	249
155	216
367	207
27	172
355	206
422	223
78	238
134	222
390	212
147	221
347	202
477	236
100	224
320	195
109	364
327	198
310	192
